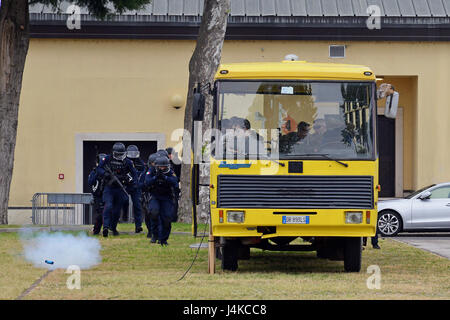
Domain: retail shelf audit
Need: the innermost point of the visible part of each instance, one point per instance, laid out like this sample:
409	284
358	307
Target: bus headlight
235	216
353	217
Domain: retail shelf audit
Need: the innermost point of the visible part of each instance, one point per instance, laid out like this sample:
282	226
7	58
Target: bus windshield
298	119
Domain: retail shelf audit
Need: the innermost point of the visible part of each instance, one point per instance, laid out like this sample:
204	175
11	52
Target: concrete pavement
437	243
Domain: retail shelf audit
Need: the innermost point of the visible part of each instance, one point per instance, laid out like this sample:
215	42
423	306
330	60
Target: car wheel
389	223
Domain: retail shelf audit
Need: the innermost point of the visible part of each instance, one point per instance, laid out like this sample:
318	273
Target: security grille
295	192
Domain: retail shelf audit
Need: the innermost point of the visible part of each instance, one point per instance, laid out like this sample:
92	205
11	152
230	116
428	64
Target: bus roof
293	70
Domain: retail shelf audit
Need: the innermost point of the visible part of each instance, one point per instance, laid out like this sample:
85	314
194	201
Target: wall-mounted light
177	101
379	78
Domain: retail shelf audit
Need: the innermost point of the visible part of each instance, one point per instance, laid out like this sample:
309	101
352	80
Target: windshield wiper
325	155
268	158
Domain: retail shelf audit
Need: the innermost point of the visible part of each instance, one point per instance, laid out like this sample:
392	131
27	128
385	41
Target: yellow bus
295	156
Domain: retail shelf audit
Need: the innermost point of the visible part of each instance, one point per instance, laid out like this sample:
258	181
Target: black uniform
96	183
162	180
114	195
152	224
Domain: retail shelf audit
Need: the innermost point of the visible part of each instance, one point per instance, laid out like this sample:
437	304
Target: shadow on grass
294	263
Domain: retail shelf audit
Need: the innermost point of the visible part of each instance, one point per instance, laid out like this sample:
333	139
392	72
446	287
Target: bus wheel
219	253
352	254
230	255
321	253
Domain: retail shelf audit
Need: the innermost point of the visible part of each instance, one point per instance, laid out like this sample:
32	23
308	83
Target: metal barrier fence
67	209
62	208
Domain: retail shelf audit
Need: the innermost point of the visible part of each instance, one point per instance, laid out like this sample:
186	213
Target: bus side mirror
198	107
390	110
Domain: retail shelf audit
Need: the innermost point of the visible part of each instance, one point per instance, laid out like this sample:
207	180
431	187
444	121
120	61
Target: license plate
295	219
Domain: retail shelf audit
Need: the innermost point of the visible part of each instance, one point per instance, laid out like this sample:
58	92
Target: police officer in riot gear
152	224
151	160
162	182
96	183
119	173
134	155
176	167
163	153
135	190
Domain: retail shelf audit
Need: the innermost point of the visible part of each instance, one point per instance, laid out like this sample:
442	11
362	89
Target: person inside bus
242	140
297	139
255	141
227	141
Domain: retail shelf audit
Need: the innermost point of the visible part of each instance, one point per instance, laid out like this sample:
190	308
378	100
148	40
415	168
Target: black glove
107	176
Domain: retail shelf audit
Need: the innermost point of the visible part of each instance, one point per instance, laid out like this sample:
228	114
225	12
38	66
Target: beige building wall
73	87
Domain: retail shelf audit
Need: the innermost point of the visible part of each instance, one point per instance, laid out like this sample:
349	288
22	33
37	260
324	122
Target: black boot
153	240
105	232
115	232
138	229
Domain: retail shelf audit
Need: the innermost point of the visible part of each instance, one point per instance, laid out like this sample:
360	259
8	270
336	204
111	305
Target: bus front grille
295	192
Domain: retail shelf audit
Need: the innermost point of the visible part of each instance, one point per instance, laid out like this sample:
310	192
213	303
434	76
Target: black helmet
118	151
152	158
163	164
133	152
162	153
170	150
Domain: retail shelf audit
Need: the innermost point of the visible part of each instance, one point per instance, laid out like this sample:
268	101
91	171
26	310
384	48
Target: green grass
177	227
16	275
15	226
4	226
132	268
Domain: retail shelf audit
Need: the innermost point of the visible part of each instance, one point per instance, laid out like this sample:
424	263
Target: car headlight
353	217
235	216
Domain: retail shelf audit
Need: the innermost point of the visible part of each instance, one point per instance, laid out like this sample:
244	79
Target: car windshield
298	119
418	191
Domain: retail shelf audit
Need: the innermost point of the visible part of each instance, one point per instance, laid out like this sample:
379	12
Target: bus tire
352	254
230	255
219	253
321	253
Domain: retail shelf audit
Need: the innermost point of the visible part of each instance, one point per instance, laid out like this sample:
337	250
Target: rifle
108	169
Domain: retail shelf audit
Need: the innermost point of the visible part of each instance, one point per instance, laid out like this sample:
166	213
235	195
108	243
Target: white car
427	209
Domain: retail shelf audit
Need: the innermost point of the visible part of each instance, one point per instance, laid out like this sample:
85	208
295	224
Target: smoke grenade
55	250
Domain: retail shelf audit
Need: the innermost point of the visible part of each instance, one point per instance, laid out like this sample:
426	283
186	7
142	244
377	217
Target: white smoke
63	249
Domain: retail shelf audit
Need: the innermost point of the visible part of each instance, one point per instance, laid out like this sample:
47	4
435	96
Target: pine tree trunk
202	68
14	24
